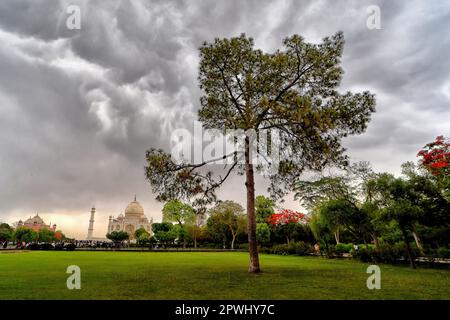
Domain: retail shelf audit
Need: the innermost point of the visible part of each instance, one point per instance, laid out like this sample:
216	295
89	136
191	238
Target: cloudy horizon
79	108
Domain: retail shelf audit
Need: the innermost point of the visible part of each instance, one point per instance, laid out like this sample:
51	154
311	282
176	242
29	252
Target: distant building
36	223
133	219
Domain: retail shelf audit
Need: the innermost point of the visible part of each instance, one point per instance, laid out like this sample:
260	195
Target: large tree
23	234
230	215
292	92
435	157
340	214
399	202
180	213
343	198
45	235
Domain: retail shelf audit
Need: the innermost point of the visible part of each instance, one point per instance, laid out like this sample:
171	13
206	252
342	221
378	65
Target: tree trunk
195	239
184	237
326	249
336	236
408	249
196	229
417	240
250	185
232	241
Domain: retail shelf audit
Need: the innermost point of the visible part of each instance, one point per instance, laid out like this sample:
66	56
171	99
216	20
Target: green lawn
207	275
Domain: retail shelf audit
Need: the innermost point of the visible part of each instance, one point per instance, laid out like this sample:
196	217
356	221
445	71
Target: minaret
109	224
91	224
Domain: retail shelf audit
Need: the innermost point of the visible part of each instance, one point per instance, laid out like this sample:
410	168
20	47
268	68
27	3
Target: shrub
440	253
301	248
280	249
241	246
443	253
342	248
298	248
384	253
212	245
330	250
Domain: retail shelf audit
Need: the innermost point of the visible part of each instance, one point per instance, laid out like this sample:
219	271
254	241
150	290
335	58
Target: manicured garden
207	275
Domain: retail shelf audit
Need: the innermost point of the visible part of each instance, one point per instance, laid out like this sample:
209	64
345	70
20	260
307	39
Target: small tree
217	231
287	223
180	213
140	232
6	233
118	237
166	238
163	233
23	234
399	202
142	236
321	230
231	215
435	157
342	215
194	232
405	214
45	235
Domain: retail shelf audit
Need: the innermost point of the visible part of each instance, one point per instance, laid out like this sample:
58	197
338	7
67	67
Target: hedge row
293	248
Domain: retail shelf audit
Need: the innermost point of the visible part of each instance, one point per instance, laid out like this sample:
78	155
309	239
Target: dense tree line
27	235
23	236
225	227
361	206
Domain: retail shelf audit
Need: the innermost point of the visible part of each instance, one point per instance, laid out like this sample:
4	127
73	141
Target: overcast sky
78	108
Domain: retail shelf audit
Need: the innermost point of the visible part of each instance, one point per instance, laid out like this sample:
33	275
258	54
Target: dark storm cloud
79	108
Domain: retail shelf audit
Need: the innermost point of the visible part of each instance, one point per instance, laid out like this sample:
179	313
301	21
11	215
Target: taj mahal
131	220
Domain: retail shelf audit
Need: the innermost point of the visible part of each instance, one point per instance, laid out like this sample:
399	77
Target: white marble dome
134	210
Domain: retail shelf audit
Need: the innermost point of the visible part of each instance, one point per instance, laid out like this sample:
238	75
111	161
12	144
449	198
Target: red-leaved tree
286	216
435	157
288	223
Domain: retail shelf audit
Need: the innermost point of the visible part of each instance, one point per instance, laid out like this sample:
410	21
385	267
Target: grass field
204	275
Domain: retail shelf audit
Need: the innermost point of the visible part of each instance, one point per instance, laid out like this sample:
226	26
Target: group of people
93	244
